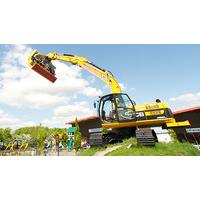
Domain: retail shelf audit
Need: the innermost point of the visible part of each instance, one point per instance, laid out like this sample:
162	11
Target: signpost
192	131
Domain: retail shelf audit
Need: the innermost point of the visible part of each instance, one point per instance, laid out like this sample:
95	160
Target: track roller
146	137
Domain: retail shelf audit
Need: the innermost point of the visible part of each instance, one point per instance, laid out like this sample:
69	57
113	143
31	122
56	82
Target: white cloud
123	87
91	79
10	121
91	92
62	114
191	99
20	86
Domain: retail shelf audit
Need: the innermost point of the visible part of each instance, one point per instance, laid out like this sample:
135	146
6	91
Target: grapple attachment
42	65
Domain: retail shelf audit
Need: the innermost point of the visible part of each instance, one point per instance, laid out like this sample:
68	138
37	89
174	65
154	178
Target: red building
86	124
191	134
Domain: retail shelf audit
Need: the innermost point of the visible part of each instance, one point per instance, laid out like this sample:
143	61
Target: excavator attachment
42	65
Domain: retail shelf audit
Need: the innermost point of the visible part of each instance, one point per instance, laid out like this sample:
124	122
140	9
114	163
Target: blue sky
166	69
154	71
168	72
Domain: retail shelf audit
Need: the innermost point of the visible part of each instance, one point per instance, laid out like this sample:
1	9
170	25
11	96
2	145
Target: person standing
70	143
48	148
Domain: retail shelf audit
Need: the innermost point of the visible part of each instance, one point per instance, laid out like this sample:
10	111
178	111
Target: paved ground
65	153
33	153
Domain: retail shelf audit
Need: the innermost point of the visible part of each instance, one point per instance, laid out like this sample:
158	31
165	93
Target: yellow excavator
117	112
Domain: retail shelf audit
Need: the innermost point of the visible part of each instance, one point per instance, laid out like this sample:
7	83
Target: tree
173	135
64	138
77	136
24	130
23	138
5	135
35	135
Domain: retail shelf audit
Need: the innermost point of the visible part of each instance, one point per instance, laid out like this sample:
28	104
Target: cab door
116	108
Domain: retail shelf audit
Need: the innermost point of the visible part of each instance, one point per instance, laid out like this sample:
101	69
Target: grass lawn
161	149
89	152
93	150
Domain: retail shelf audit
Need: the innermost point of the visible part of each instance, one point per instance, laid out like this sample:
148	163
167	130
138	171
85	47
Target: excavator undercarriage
144	136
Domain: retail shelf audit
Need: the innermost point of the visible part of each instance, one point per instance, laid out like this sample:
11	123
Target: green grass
89	152
161	149
93	150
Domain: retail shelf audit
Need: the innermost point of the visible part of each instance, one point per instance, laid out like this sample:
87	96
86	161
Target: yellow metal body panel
154	112
82	62
168	122
151	106
30	62
24	146
178	124
142	123
9	147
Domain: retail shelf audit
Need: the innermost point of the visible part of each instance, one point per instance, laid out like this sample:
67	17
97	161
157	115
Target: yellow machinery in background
117	111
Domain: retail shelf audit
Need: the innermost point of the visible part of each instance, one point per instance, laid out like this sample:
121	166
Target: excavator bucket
46	74
42	65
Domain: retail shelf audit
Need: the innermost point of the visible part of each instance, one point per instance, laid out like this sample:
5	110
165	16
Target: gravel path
107	150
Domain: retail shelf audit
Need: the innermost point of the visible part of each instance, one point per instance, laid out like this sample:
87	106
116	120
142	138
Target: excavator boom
42	65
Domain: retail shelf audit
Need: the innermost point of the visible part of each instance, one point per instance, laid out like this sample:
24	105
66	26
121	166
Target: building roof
83	119
175	113
186	110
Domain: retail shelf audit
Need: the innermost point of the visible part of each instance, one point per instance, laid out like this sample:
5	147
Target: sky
145	72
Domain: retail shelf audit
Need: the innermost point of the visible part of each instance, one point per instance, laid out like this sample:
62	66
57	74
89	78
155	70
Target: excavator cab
114	108
42	65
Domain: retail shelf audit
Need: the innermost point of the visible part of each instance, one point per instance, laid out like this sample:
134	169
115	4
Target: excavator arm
116	110
42	64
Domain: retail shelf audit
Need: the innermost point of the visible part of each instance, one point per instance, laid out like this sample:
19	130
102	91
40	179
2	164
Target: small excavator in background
117	112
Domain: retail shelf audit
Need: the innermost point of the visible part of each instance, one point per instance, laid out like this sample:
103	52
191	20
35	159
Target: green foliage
64	138
39	134
55	131
24	130
5	135
23	138
173	135
77	125
77	136
61	134
104	130
36	135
